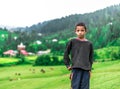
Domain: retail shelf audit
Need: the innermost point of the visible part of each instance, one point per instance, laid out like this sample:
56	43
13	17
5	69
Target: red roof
9	52
24	52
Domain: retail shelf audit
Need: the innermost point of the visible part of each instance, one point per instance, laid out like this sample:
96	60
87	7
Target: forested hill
96	19
103	26
103	30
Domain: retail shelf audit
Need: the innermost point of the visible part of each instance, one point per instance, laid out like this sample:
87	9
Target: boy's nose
79	31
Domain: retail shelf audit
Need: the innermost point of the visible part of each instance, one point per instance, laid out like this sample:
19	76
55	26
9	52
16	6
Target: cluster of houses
21	50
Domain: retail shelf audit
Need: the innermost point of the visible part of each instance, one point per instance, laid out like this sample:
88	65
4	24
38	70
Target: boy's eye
77	30
80	30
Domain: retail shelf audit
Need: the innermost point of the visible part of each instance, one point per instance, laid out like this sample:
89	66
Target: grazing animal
42	70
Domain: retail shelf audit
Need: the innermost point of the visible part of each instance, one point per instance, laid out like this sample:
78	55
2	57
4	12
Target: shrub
43	60
115	55
55	60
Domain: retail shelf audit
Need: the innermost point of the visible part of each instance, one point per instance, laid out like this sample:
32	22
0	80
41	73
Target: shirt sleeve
91	54
66	54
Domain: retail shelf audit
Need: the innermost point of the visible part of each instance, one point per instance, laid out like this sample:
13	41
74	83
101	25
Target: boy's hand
69	68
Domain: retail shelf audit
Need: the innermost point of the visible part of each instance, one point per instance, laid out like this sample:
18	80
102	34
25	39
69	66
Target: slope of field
105	75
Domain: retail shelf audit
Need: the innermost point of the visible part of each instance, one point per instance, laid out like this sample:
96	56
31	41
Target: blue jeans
80	79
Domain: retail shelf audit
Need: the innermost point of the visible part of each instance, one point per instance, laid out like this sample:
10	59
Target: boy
81	51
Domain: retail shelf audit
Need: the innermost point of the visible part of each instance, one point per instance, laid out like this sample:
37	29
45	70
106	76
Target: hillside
103	26
103	31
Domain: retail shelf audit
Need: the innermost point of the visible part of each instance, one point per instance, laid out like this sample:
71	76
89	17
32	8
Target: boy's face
80	31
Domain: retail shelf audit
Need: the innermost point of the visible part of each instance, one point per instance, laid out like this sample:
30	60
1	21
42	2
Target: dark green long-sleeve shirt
79	54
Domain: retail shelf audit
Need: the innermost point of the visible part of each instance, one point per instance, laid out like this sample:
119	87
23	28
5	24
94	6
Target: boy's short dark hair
81	24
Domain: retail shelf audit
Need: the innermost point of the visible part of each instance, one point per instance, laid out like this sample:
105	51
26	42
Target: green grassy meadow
105	75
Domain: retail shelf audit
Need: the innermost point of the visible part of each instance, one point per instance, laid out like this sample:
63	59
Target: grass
36	79
105	75
31	58
8	60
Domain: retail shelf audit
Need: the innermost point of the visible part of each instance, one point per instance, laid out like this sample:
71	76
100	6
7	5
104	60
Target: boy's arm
66	55
91	55
91	59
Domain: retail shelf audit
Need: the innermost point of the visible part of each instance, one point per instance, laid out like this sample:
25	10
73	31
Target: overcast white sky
21	13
